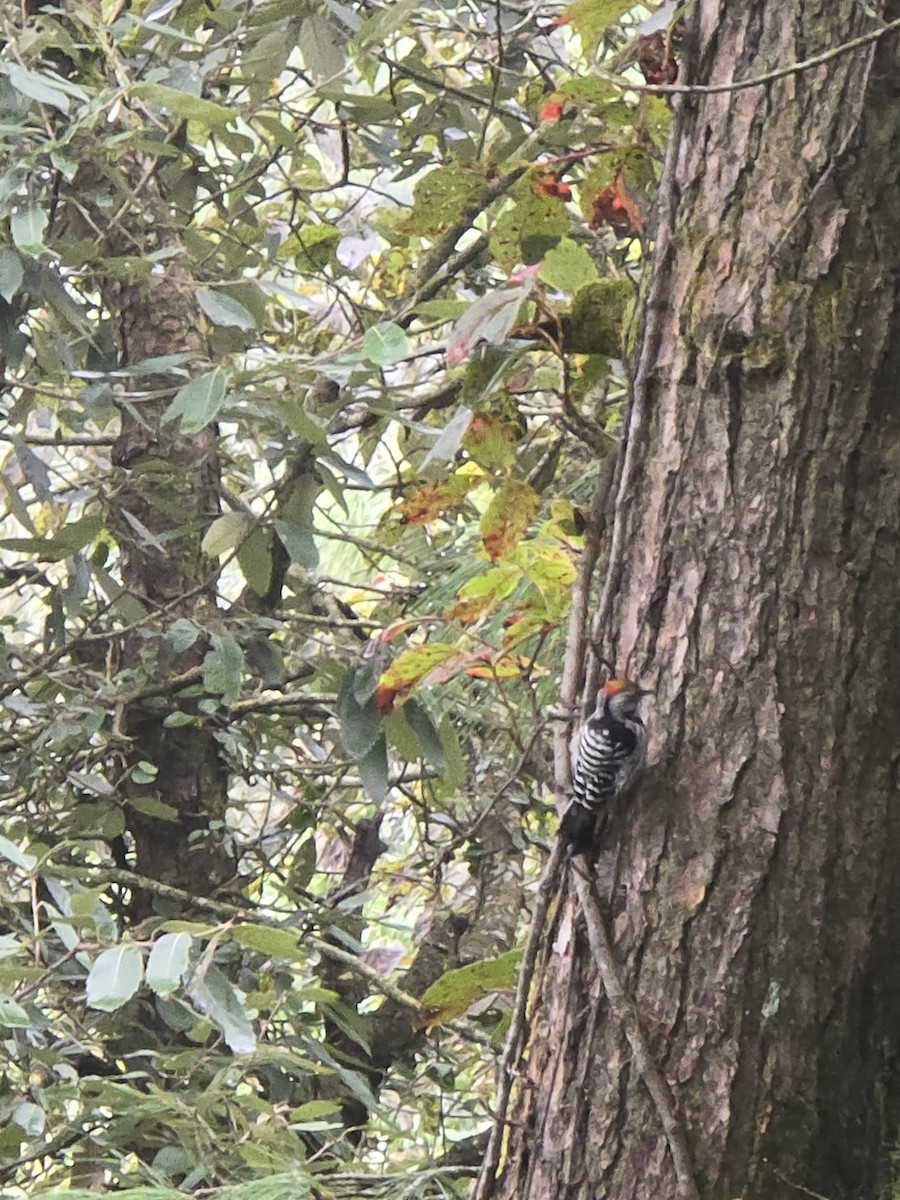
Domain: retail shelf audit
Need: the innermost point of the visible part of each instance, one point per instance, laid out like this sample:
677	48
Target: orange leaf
505	667
401	626
556	23
431	501
507	518
408	670
468	611
490	442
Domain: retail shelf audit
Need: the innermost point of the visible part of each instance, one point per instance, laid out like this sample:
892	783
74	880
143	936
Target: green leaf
40	87
223	667
365	680
181	635
441	195
373	770
194	928
442	310
114	977
384	21
74	536
411	666
147	536
182	104
456	991
176	720
279	943
591	17
507	517
360	724
385	343
454	775
13	1015
198	402
321	48
78	534
223	310
568	267
11	273
214	997
314	1109
354	1080
10	946
299	543
144	772
91	781
305	425
427	736
449	440
152	806
168	962
255	560
19	858
225	533
29	1117
27	228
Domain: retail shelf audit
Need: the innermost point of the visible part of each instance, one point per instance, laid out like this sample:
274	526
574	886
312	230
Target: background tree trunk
750	890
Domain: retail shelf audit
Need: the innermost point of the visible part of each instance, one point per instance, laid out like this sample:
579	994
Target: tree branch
797	68
509	1060
626	1014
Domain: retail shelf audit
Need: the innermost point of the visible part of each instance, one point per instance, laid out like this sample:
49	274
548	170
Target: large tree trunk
750	890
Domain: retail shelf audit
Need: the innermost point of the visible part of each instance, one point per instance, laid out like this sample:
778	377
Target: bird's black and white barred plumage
609	753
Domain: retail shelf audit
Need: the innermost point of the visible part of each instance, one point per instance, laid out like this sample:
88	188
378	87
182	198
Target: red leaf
616	208
549	184
384	699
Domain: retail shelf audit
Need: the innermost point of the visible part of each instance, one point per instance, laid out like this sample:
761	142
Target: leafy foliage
296	442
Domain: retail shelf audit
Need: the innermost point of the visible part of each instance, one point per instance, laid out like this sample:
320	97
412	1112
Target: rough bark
169	482
750	888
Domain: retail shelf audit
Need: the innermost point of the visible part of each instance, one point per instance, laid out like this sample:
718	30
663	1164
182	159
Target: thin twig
626	1015
797	68
443	248
512	778
221	908
69	1135
509	1059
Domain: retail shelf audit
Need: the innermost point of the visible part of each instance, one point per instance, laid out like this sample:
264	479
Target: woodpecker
610	752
